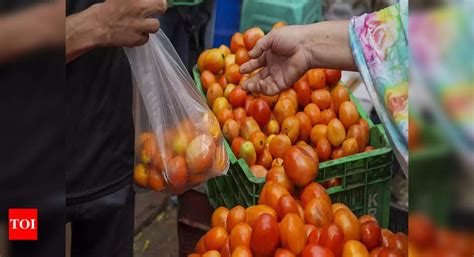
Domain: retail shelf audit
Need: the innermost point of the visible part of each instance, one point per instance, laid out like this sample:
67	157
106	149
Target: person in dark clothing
100	136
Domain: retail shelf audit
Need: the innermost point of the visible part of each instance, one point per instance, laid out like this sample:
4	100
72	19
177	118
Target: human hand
127	22
284	55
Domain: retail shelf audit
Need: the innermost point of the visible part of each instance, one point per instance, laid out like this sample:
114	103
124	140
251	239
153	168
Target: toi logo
23	224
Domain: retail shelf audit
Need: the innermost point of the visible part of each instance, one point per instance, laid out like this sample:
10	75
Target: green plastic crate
172	3
366	177
265	13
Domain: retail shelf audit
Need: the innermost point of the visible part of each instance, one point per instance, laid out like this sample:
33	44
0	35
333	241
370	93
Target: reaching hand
284	57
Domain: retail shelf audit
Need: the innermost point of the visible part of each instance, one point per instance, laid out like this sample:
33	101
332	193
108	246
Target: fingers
154	7
150	25
252	84
268	86
262	45
253	64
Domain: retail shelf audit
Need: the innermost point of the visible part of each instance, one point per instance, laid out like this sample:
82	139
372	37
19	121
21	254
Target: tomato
300	167
332	183
349	147
312	250
354	248
254	211
242	251
286	204
265	159
316	78
200	61
278	24
313	112
230	59
178	172
291	128
240	236
366	218
322	98
240	115
318	212
332	76
308	228
200	248
214	91
422	231
355	131
289	94
156	180
251	36
370	234
236	144
327	115
386	234
336	153
273	193
207	79
247	152
261	112
215	238
236	42
230	130
225	50
332	237
279	145
277	162
219	217
314	190
338	206
236	215
232	73
315	235
265	235
393	252
227	87
292	234
317	132
305	126
214	61
368	148
225	250
241	56
212	253
284	108
277	174
399	241
140	175
303	92
348	114
258	140
309	150
336	133
280	252
301	212
323	149
339	95
224	115
349	224
375	252
220	103
248	127
237	97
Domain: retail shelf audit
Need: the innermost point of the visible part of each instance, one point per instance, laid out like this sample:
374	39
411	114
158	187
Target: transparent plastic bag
178	141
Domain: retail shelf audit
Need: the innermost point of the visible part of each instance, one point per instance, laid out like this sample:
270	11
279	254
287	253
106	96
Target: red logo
23	224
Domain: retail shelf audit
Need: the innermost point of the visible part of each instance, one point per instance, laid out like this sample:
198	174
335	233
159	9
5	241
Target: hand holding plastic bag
178	141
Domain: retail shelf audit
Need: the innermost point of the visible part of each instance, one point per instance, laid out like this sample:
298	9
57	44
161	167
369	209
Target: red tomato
399	241
248	102
312	250
332	237
303	92
308	228
300	167
332	76
314	190
265	235
236	144
280	252
286	204
386	234
273	192
315	236
237	97
370	234
391	252
318	212
260	111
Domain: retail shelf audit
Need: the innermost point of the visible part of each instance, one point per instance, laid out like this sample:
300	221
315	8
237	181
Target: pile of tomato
311	122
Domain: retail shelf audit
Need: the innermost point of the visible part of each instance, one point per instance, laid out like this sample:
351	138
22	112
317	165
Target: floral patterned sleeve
379	44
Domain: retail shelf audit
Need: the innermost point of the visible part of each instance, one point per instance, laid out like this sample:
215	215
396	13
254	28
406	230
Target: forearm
82	33
329	45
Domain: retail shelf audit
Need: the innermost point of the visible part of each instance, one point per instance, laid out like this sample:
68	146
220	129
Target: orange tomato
241	56
349	147
225	115
318	212
316	78
214	61
236	42
254	211
322	98
200	153
365	129
225	50
237	97
303	92
265	159
265	235
399	241
315	235
231	129
309	150
355	131
290	93
260	110
339	95
258	140
229	59
223	83
214	92
258	171
178	172
291	128
207	79
156	180
375	252
240	114
248	127
279	145
280	252
277	174
140	175
354	248
271	100
273	127
312	250
242	251
200	61
338	206
236	215
370	234
332	237
318	132
240	236
349	224
212	253
278	24
313	112
236	144
287	204
292	234
305	126
251	36
332	76
300	167
215	238
284	108
327	115
314	190
337	153
323	149
219	104
232	73
336	133
200	248
273	192
348	114
219	217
